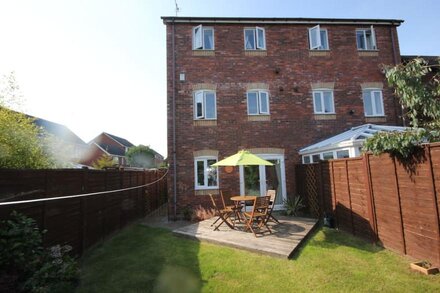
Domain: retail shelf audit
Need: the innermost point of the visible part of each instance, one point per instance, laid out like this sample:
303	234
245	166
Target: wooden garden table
237	199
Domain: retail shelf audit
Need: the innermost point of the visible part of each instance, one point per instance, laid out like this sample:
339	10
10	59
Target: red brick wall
92	154
292	124
102	138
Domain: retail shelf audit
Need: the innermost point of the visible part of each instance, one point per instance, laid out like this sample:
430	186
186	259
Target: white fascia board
198	21
99	147
344	144
114	139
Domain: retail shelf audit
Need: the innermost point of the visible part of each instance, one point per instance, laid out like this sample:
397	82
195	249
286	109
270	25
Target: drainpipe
174	124
396	61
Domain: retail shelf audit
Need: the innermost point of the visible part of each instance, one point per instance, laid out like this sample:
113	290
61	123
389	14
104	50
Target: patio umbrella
242	158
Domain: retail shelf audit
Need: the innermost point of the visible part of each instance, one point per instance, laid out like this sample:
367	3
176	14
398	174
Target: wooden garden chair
223	214
257	218
236	208
273	194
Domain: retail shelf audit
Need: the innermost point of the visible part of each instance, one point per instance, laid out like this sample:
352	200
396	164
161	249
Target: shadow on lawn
328	238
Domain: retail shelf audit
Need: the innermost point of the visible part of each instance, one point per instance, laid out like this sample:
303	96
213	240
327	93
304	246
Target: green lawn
143	259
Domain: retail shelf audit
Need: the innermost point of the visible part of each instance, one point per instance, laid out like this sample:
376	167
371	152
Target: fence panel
387	203
79	221
383	200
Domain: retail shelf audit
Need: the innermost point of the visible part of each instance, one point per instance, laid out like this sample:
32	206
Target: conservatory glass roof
354	134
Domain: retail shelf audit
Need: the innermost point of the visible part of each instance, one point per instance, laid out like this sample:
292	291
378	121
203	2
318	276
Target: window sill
203	53
213	191
255	53
368	53
325	116
205	123
375	119
258	117
319	53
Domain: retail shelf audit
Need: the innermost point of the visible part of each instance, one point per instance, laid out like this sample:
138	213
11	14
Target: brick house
272	86
110	145
115	147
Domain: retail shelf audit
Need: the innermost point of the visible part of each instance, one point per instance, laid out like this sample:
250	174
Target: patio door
256	180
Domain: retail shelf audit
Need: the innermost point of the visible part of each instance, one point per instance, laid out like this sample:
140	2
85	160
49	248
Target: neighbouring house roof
280	20
432	60
359	133
58	130
121	140
111	150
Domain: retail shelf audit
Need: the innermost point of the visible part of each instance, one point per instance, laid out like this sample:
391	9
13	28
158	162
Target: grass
143	259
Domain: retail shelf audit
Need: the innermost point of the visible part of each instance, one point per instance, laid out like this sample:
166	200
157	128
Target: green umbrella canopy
243	158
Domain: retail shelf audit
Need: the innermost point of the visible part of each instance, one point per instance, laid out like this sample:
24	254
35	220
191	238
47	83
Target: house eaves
280	20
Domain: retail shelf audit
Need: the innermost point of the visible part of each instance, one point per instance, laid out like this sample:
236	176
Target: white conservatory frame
351	140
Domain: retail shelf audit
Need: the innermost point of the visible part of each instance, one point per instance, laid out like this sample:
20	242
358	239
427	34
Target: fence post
321	190
400	205
370	197
334	193
43	207
83	211
434	193
349	197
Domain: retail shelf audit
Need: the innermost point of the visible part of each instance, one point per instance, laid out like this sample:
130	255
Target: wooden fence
379	198
83	221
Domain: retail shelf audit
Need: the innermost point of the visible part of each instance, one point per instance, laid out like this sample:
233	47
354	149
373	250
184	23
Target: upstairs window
323	101
206	176
258	103
318	38
254	39
373	102
203	38
366	39
205	105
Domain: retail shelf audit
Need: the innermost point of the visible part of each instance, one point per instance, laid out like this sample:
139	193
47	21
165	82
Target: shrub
293	205
25	266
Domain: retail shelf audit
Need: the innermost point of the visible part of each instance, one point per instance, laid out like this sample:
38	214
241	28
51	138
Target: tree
104	161
419	93
22	145
141	156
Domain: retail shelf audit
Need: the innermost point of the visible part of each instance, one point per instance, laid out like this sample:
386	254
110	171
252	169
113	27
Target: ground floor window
206	176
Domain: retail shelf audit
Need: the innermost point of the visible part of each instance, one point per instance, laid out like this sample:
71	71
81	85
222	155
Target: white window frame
304	161
321	92
256	38
203	93
319	44
373	102
259	102
335	155
321	155
373	39
205	174
199	44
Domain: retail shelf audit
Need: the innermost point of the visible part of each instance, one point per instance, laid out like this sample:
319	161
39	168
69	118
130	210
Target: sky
100	65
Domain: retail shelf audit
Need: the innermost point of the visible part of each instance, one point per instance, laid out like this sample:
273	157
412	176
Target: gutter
249	20
174	124
396	62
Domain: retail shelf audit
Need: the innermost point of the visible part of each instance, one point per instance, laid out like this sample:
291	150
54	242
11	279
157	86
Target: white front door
256	180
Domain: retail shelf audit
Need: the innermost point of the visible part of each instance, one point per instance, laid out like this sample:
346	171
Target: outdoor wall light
351	112
182	76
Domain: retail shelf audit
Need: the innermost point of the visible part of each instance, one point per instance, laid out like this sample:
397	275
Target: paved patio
285	239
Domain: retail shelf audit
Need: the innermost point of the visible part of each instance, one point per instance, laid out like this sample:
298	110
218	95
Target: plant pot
422	267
